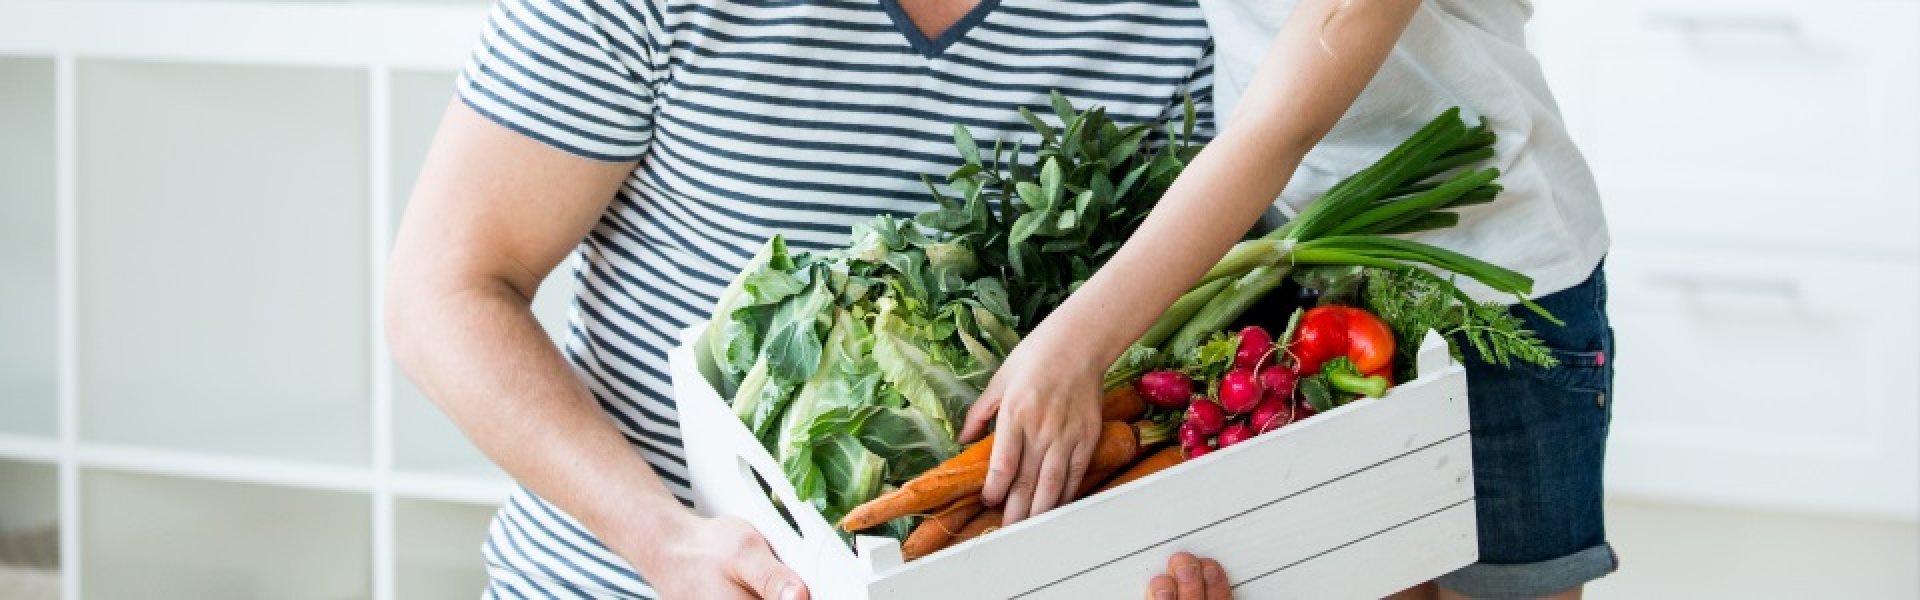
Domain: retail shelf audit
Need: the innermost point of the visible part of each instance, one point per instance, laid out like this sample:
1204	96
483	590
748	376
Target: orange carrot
1166	457
958	477
966	473
1122	404
981	524
1118	443
1090	481
937	531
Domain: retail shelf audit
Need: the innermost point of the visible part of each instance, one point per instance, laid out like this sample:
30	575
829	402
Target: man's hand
720	557
1190	578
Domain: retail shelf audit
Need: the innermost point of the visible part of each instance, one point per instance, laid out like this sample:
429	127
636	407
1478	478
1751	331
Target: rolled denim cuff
1532	580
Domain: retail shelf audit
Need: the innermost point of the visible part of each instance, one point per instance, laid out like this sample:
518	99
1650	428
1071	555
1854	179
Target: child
1355	77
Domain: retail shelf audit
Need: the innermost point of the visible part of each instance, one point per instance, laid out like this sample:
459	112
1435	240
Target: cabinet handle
1705	24
1700	29
1744	286
1783	293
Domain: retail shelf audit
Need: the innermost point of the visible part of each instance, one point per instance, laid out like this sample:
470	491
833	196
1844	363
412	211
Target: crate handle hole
747	471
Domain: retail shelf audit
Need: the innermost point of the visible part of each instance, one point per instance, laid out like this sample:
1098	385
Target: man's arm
491	214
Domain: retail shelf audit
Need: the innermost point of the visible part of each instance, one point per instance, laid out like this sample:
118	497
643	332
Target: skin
932	17
1190	578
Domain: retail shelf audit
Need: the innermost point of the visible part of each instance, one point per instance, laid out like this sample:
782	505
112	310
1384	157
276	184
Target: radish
1206	416
1272	413
1302	409
1165	388
1279	381
1255	343
1193	441
1234	434
1240	391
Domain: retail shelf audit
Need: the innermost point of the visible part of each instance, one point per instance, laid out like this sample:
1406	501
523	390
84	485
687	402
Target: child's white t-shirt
1548	224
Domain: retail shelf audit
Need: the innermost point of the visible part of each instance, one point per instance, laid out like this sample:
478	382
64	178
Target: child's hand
1047	399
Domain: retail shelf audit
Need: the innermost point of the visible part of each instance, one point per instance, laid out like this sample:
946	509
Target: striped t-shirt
754	117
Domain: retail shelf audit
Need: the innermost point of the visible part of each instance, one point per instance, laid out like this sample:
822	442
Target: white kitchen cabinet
1757	163
1780	122
1766	380
27	302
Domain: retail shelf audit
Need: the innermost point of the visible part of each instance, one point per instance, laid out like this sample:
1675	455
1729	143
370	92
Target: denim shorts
1539	438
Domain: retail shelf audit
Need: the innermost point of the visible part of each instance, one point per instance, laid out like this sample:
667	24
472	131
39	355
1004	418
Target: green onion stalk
1409	190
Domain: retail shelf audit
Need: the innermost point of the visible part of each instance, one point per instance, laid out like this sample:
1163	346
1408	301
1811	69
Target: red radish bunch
1234	434
1271	414
1240	391
1205	416
1196	444
1256	396
1165	388
1255	346
1279	381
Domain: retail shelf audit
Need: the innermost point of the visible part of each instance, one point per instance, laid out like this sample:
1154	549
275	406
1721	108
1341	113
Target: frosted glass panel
437	546
29	531
150	537
426	440
27	314
418	98
223	259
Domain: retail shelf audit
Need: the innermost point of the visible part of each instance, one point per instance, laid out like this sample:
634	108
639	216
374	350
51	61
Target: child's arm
1047	393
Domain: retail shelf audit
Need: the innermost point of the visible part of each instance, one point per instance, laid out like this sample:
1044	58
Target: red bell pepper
1329	332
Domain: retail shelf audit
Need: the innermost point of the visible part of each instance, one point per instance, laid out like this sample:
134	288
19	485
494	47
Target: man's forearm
477	351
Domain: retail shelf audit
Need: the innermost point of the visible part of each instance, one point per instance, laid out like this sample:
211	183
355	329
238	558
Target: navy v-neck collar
934	47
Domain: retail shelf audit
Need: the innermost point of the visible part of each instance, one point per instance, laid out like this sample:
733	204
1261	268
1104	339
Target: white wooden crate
1359	502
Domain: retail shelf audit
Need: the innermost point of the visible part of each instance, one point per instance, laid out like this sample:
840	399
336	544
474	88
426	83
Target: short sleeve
577	75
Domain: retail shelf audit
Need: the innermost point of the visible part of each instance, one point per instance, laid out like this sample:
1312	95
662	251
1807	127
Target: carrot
981	524
966	473
937	531
1118	443
1122	404
956	478
1166	457
1092	480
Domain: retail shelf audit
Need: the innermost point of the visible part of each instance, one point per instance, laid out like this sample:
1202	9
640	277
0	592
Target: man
660	142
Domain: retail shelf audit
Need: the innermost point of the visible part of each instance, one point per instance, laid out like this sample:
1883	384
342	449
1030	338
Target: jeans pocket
1578	371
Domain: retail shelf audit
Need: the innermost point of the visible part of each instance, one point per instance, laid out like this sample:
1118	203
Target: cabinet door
1768	381
1779	122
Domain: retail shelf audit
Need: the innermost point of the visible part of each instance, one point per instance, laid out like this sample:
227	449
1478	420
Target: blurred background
196	199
